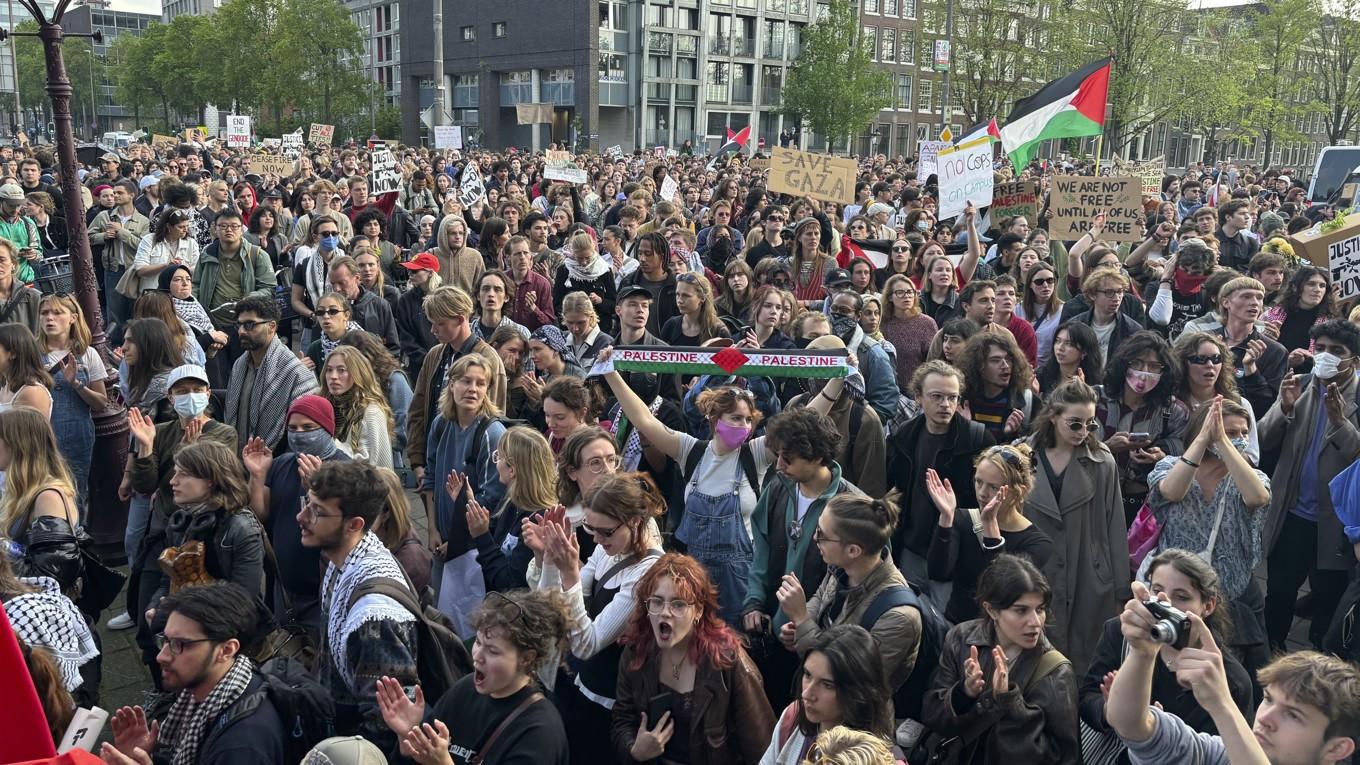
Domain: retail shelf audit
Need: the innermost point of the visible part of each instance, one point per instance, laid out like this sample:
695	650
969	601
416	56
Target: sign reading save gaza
805	174
1076	200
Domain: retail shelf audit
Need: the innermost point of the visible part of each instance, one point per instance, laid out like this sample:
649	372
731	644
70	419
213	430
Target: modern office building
84	19
379	22
8	101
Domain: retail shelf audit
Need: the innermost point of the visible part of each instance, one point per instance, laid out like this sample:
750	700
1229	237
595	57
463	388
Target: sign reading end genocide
1076	200
805	174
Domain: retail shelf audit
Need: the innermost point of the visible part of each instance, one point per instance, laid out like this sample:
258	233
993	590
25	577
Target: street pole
94	100
437	113
944	85
14	69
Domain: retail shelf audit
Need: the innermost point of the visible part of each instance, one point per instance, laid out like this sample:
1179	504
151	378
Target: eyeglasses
1112	294
1201	359
229	226
1007	455
250	326
901	249
495	456
820	538
901	293
659	605
601	533
1076	426
311	511
1138	365
503	598
598	465
329	311
177	645
1044	282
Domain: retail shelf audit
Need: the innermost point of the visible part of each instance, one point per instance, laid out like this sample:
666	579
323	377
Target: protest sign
659	152
614	151
533	114
280	166
320	134
560	167
1015	198
807	174
291	144
759	163
1150	171
926	153
448	137
164	141
385	176
238	130
1343	258
271	143
1077	199
196	135
965	176
470	187
670	190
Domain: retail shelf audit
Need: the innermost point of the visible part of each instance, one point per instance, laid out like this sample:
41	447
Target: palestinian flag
735	142
987	130
742	362
1068	107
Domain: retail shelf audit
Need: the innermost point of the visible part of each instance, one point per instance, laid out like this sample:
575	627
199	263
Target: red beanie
318	409
23	726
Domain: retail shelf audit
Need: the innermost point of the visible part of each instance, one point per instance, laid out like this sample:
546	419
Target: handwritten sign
1343	258
1150	172
238	130
759	163
808	174
560	167
448	137
1077	199
965	176
926	154
385	177
280	166
321	134
291	144
670	189
1015	198
164	142
470	188
614	151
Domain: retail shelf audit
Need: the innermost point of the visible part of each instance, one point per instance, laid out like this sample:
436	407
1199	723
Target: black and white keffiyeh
192	312
185	725
368	560
48	619
328	345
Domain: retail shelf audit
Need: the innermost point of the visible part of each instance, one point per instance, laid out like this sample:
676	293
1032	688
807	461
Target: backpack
746	457
470	460
304	705
441	656
908	697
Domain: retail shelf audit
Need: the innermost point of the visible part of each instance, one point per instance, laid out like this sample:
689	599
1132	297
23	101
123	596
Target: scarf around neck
368	560
589	272
192	312
186	724
328	345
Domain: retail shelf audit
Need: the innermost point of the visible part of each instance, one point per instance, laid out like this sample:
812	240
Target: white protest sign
614	151
320	134
385	177
470	188
448	137
1343	259
965	176
238	130
291	144
271	143
927	152
669	189
560	167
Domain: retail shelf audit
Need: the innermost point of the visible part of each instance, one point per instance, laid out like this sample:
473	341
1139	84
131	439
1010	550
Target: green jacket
800	556
257	277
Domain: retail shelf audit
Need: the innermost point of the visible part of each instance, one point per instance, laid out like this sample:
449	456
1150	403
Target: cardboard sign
448	137
759	163
320	134
670	189
965	176
926	153
280	166
1076	199
1150	171
291	144
238	130
1015	198
614	151
533	114
385	177
271	143
1337	251
659	152
807	174
164	141
470	188
560	167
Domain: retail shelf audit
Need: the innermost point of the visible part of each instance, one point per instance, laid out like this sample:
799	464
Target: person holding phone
684	673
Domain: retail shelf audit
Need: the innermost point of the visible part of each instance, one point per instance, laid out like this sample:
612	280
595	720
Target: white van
1336	166
117	140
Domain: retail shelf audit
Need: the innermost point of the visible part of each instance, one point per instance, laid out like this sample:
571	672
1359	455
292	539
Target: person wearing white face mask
1314	426
149	471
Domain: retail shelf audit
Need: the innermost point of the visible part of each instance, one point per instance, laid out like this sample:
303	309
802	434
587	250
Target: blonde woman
39	501
585	271
698	321
363	421
909	330
18	301
582	321
525	466
78	374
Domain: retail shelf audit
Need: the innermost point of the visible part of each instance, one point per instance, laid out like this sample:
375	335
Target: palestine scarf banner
742	362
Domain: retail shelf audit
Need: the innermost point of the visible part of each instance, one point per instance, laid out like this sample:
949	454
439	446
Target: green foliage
834	86
1217	95
1277	99
998	45
33	72
1335	61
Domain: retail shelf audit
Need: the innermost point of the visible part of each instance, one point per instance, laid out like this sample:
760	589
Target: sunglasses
1044	282
1200	359
329	311
901	249
1076	426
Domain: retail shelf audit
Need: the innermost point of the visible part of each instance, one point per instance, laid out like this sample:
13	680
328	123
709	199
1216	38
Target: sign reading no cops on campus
807	174
965	176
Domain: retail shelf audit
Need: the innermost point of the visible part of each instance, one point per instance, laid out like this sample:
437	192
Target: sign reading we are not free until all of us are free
1076	200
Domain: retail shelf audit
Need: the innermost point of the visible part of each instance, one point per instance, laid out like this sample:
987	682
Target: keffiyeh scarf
186	724
589	272
368	560
556	339
328	345
193	313
632	447
48	619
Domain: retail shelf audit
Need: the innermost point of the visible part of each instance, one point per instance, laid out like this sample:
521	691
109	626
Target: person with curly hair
677	650
1307	300
997	391
497	712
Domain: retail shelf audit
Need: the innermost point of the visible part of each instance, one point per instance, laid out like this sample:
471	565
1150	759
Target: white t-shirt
89	362
1104	334
716	473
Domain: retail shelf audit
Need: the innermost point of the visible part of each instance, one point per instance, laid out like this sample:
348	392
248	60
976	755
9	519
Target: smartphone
659	705
1140	436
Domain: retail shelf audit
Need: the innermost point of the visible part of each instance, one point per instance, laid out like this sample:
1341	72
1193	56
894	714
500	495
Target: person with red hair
685	667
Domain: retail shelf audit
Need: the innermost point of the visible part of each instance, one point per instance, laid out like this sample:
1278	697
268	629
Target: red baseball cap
422	262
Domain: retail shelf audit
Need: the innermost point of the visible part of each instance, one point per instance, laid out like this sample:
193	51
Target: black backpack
908	697
305	708
441	656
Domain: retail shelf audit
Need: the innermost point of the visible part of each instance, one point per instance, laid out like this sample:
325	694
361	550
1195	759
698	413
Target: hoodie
462	268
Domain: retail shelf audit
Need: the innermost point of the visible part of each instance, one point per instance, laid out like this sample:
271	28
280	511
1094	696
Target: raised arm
968	266
652	429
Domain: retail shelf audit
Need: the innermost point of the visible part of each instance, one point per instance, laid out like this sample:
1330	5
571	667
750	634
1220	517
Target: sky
137	6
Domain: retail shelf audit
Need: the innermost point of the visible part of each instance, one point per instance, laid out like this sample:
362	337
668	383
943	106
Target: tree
1217	96
324	45
80	65
997	49
1336	69
1277	99
834	85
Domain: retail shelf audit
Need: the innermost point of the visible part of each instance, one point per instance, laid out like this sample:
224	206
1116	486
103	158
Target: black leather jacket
52	549
234	542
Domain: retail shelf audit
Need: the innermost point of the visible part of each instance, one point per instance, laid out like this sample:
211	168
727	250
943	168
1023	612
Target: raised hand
428	744
257	457
307	466
453	486
142	428
131	730
942	494
792	598
1289	393
478	519
192	431
973	683
1001	675
1106	683
398	710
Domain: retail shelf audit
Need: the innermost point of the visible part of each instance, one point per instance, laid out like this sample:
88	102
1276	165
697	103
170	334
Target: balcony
657	137
659	92
770	94
686	94
719	46
774	48
744	47
741	94
560	93
686	44
658	42
716	93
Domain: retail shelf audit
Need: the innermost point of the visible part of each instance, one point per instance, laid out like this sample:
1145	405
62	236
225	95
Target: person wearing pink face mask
1141	418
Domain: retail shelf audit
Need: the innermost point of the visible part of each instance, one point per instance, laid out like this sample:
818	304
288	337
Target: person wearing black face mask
277	486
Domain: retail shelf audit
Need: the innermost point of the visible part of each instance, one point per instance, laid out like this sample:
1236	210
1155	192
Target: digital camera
1172	626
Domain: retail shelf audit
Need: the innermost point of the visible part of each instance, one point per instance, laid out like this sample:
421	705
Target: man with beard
880	373
368	635
266	378
222	712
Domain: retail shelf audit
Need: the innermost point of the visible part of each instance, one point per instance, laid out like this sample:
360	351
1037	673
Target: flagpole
1100	147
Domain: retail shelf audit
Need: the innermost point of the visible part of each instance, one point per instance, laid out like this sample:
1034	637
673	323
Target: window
659	66
871	40
928	19
906	47
687	18
468	33
927	51
687	68
773	46
904	91
925	99
871	6
659	15
889	7
716	88
498	29
611	68
889	47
